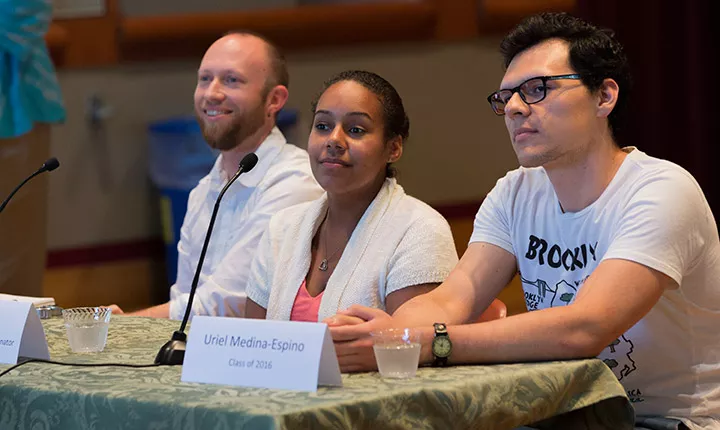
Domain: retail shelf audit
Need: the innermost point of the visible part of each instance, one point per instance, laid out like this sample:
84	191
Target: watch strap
440	331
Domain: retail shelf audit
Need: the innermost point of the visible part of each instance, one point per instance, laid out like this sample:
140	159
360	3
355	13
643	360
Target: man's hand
115	309
339	320
353	344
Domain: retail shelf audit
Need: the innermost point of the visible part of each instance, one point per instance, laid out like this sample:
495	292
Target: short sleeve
492	221
426	254
663	226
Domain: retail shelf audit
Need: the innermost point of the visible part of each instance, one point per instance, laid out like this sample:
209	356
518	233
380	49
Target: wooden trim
499	16
132	284
111	39
152	248
451	211
521	8
57	41
457	19
314	19
146	38
87	41
56	38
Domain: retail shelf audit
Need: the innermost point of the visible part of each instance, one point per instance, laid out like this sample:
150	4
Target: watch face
441	346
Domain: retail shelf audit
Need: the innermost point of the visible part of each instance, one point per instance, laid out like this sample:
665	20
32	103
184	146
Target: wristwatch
441	345
46	312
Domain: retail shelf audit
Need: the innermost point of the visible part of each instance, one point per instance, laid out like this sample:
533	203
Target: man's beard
227	136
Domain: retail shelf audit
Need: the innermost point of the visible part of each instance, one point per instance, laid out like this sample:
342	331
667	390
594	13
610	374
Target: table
42	396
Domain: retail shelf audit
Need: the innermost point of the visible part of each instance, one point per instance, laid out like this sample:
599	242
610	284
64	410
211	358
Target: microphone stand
50	165
173	352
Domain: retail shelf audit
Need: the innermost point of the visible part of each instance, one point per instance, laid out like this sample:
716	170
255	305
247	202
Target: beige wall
102	193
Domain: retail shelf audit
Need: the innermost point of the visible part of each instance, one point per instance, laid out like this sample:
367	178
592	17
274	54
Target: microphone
50	165
173	352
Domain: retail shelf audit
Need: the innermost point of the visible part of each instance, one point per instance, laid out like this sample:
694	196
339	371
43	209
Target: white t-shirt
654	213
281	178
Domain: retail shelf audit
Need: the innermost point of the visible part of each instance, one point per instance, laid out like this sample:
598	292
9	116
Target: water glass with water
397	352
87	328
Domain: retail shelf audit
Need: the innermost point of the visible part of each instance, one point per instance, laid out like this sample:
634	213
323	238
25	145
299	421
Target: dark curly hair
396	122
595	54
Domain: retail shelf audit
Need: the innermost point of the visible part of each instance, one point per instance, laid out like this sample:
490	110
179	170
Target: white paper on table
37	301
21	332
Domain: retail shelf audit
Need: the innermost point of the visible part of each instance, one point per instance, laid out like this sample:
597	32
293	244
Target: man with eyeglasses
618	251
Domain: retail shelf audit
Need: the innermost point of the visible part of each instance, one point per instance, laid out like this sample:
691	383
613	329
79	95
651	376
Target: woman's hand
115	309
353	344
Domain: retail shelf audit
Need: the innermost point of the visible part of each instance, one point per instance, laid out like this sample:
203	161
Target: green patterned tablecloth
41	396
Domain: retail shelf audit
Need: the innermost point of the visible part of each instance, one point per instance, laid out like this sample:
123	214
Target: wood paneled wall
113	38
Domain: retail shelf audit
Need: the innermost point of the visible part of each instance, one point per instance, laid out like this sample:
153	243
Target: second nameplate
260	353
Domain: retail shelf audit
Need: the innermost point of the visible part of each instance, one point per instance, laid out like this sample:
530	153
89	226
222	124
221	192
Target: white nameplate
260	353
21	332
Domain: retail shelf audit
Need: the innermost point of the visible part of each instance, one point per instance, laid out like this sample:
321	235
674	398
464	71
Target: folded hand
353	344
339	319
115	309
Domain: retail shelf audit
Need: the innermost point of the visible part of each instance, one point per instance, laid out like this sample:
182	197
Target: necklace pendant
323	265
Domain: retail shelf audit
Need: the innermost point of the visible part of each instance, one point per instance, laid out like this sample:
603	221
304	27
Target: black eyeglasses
531	91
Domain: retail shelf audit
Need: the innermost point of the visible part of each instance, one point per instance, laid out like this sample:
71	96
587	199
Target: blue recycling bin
178	158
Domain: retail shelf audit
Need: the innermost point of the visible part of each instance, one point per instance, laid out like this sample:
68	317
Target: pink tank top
305	307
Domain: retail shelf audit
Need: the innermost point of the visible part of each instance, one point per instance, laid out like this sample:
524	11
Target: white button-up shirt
281	178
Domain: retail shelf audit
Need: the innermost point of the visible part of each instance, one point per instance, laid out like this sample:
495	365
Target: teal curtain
29	90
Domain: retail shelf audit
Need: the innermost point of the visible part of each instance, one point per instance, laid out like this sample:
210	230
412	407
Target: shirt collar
266	153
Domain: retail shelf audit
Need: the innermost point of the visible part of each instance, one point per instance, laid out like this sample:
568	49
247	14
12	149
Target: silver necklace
324	262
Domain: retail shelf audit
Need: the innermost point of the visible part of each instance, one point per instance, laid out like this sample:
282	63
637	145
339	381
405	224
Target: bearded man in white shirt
242	84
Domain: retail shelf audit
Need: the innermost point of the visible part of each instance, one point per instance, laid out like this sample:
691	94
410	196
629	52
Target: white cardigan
399	242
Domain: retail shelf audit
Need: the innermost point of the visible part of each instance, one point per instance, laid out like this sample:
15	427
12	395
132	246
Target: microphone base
173	352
